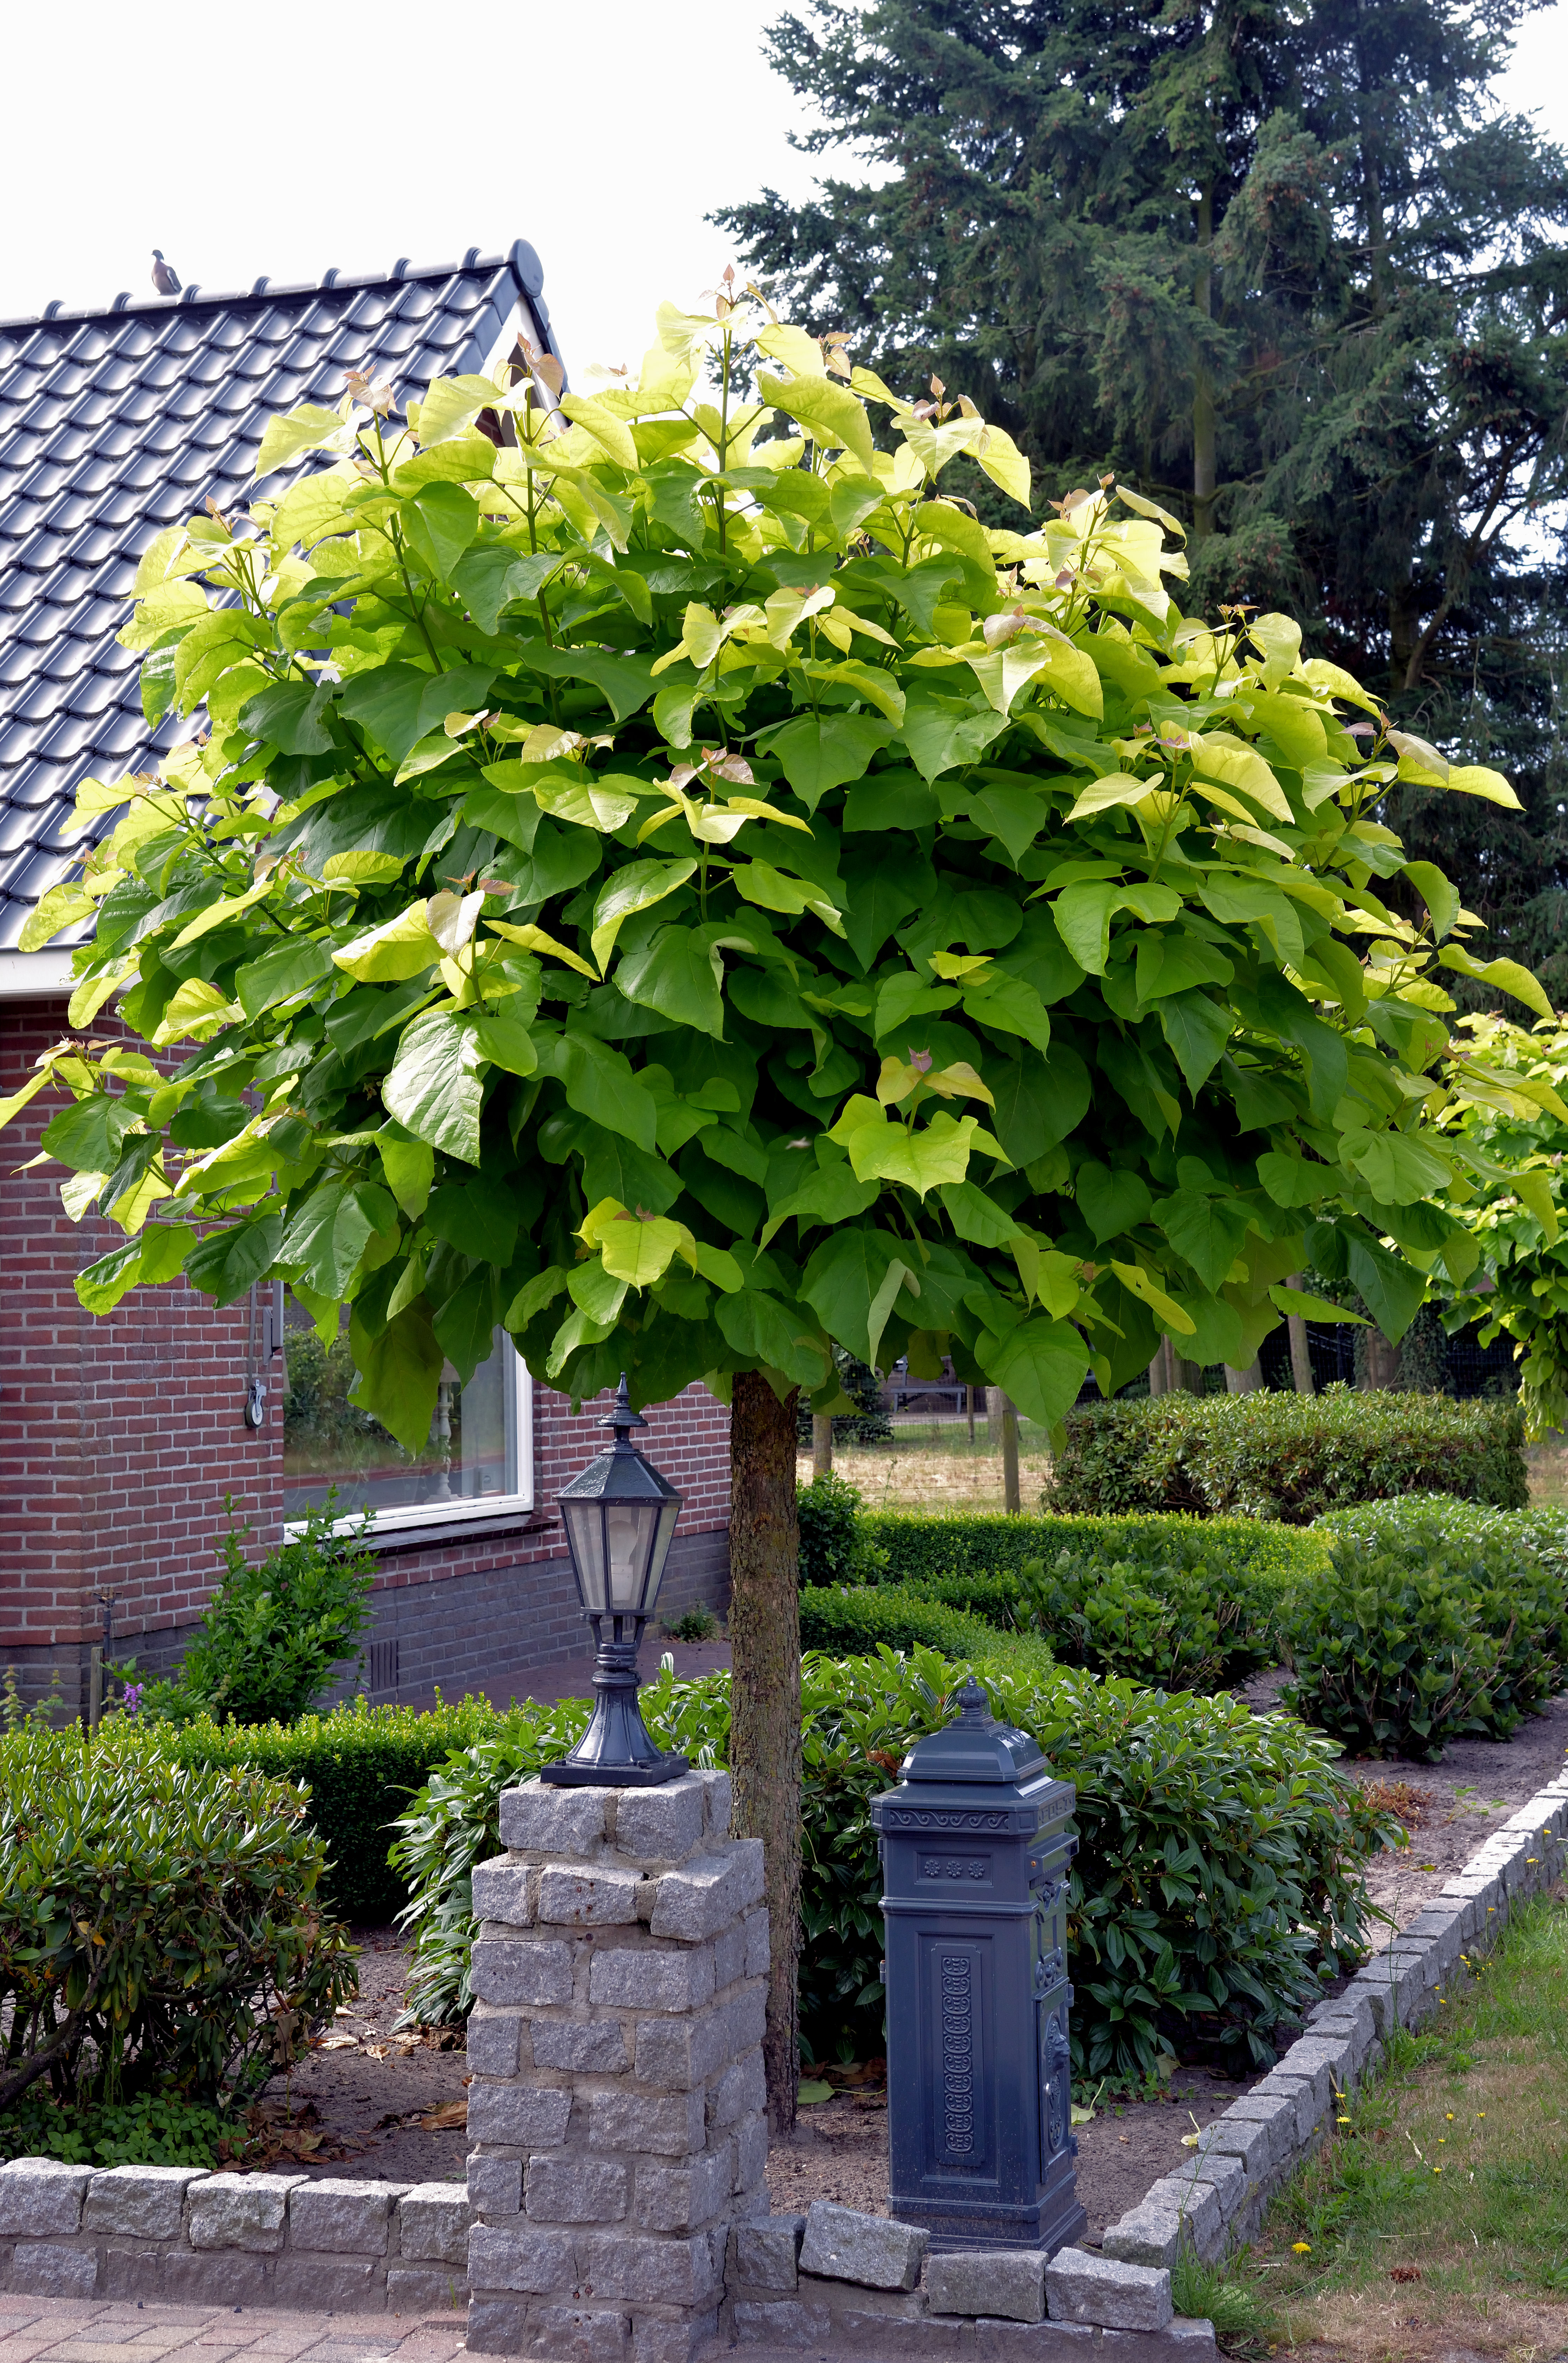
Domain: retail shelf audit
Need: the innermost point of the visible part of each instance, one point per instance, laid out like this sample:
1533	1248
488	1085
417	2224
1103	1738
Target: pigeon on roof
165	278
117	423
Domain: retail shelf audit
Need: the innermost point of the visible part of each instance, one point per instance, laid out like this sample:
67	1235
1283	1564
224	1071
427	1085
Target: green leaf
441	522
399	1375
1398	1172
940	733
1110	1203
1038	1101
1011	1006
287	439
1206	1231
819	751
1311	1308
1508	974
830	413
1198	1030
327	1236
626	683
1441	898
87	1135
635	888
599	1083
394	951
1392	1289
155	1254
503	1036
59	908
884	883
1040	1364
976	1218
831	1194
677	971
433	1087
758	1326
226	1262
409	1166
287	970
846	1279
881	1148
891	800
494	576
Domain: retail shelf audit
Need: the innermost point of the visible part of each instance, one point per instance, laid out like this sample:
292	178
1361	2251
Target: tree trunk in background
1011	1501
821	1444
764	1731
1159	1371
1242	1382
1380	1366
994	1401
1204	470
1300	1352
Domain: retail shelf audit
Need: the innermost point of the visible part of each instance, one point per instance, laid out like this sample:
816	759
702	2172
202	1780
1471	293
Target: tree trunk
821	1444
993	1400
1011	1501
1204	461
1300	1352
1242	1382
1381	1365
1159	1371
764	1731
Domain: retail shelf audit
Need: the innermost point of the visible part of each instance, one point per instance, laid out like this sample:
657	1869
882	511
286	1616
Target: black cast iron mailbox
974	1853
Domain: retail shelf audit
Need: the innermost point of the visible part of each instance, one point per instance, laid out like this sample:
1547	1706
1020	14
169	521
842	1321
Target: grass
936	1468
1437	2218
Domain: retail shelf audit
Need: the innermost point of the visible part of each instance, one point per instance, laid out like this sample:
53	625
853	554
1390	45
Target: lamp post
619	1516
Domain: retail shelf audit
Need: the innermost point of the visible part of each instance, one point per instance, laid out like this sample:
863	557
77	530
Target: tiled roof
115	424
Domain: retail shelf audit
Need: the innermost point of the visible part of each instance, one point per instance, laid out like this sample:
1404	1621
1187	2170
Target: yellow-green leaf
398	948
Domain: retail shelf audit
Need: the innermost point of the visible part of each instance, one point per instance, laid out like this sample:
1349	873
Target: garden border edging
1241	2160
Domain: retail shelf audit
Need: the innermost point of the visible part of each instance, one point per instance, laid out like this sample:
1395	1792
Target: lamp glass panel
668	1513
628	1531
585	1541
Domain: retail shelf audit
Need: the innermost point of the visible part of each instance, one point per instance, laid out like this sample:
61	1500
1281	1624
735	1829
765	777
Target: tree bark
764	1731
1204	460
821	1444
993	1417
1242	1382
1300	1352
1011	1499
1381	1365
1159	1371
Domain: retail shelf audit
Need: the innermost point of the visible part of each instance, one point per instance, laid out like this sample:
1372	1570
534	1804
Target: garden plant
658	873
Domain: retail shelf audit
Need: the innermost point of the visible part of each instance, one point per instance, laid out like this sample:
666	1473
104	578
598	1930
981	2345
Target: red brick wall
120	1436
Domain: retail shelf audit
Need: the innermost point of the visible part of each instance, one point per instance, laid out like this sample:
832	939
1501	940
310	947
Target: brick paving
119	2329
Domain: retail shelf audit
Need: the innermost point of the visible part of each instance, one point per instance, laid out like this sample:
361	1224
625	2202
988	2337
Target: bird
165	278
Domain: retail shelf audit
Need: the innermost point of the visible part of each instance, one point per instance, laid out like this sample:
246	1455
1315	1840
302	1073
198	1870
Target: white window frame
465	1511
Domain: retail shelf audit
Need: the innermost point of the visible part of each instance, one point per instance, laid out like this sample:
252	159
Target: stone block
39	2196
1441	1926
1306	2063
740	2092
680	2052
647	2272
1260	2144
668	2125
51	2269
433	2219
696	1902
527	2261
226	2276
750	2152
718	1798
758	1952
504	1889
496	2325
494	2185
765	2255
139	2203
679	2198
425	2289
673	2337
240	2210
781	2322
1107	2292
1333	2054
843	2245
342	2219
635	1977
537	1819
875	2308
1307	2109
662	1824
1227	2177
583	2047
576	2334
605	1897
565	2190
336	2284
494	2041
1168	2216
1008	2283
514	1971
526	2116
729	1955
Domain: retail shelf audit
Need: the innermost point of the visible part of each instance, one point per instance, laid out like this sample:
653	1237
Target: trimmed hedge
856	1623
1287	1457
954	1556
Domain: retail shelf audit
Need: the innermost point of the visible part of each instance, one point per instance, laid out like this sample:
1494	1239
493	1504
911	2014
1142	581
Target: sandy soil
935	1478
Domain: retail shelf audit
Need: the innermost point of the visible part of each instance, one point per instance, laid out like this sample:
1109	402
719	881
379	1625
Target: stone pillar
616	2098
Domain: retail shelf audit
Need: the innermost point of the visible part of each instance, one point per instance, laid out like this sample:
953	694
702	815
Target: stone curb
1240	2161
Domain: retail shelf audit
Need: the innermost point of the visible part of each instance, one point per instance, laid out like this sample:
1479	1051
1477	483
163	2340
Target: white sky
241	145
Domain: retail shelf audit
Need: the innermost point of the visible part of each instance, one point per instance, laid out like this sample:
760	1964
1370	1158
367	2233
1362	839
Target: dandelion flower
1301	2248
1341	2121
1449	2115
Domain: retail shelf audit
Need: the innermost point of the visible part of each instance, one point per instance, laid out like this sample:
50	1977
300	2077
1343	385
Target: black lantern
619	1518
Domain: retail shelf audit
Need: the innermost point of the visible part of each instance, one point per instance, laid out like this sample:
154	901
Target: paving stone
696	1902
240	2210
433	2221
1106	2290
605	1897
558	2190
41	2195
668	2125
1152	2232
494	2185
139	2203
533	2263
531	2116
840	2243
1007	2283
538	1819
662	1824
518	1970
228	2277
1260	2143
504	1889
587	2047
684	2050
757	1947
635	1977
764	2255
351	2219
673	2338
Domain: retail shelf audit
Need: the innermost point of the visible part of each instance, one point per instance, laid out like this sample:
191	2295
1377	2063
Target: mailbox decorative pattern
979	2065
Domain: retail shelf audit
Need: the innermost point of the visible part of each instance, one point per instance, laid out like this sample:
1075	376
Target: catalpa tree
662	877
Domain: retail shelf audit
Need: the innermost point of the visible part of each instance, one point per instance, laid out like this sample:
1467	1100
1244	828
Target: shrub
697	1623
1434	1621
1285	1456
1258	1552
867	1424
1218	1879
856	1623
155	2129
272	1632
834	1545
161	1928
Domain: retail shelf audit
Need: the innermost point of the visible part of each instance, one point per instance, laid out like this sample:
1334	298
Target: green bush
361	1764
155	2129
161	1928
1285	1456
835	1546
856	1623
1434	1621
1268	1558
273	1631
1218	1884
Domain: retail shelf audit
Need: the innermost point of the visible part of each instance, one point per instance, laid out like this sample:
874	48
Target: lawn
933	1468
1437	2220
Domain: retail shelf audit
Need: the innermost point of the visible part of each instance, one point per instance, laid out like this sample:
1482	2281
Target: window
477	1457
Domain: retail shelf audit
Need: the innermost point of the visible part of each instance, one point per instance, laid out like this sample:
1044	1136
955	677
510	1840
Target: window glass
470	1456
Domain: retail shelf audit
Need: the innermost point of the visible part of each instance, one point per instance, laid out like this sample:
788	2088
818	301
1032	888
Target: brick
696	1902
139	2203
432	2224
530	2262
1106	2291
1006	2282
504	1889
558	2189
240	2210
516	1970
670	2125
663	1825
637	1976
532	2116
583	2047
39	2196
840	2243
606	1897
341	2218
538	1819
494	2185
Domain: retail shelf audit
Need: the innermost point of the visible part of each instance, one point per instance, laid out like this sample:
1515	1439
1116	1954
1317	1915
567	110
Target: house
121	1437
